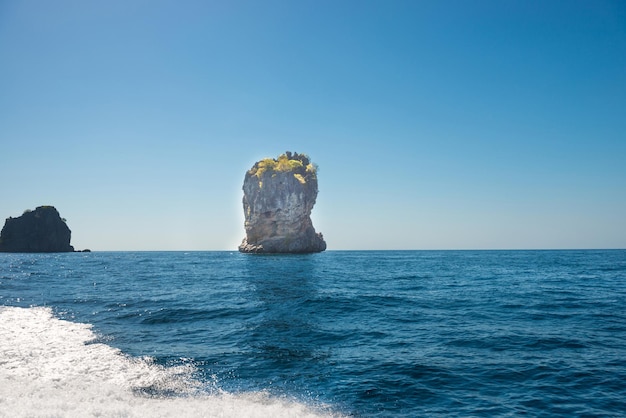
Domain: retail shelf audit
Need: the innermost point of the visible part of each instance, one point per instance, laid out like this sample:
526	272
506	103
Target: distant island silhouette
279	194
37	231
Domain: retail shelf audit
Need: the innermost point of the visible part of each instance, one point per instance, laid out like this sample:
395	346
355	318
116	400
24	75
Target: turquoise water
391	333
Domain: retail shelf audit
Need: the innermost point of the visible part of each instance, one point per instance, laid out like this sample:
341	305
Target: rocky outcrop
278	196
39	231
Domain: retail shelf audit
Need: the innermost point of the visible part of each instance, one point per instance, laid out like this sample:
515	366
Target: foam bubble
53	368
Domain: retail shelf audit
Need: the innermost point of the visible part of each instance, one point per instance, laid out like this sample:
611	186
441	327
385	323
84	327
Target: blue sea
340	333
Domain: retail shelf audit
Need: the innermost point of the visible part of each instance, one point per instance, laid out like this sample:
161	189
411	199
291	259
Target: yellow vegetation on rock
282	164
285	164
299	178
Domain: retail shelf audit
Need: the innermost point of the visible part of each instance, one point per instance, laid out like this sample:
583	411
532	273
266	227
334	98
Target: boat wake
52	367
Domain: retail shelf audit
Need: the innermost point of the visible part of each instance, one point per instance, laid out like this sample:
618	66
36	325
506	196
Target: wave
52	367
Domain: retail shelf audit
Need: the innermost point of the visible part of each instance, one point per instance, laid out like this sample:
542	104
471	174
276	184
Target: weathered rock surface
278	196
39	231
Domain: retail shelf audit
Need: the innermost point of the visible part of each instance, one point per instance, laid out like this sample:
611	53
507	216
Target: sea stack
39	231
278	196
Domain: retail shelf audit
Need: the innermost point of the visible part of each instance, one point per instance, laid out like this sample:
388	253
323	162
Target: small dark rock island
39	231
278	196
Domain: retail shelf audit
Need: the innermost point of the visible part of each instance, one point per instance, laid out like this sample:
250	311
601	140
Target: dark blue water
415	333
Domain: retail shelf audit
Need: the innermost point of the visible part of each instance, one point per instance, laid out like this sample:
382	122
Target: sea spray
51	367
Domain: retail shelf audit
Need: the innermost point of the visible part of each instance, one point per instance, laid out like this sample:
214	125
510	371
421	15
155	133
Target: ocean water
340	333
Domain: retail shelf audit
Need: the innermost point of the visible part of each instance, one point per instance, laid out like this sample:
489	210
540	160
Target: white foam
50	368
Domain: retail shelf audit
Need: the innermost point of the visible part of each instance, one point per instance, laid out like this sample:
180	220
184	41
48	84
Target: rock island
39	231
278	196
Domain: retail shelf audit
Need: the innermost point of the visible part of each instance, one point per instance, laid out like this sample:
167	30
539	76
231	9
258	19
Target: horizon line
339	250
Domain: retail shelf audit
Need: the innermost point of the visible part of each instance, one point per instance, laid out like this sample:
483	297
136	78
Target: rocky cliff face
39	231
278	196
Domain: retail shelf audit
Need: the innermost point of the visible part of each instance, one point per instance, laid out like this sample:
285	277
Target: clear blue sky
435	124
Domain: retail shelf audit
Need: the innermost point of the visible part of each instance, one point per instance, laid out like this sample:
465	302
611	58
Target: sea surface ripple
389	333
